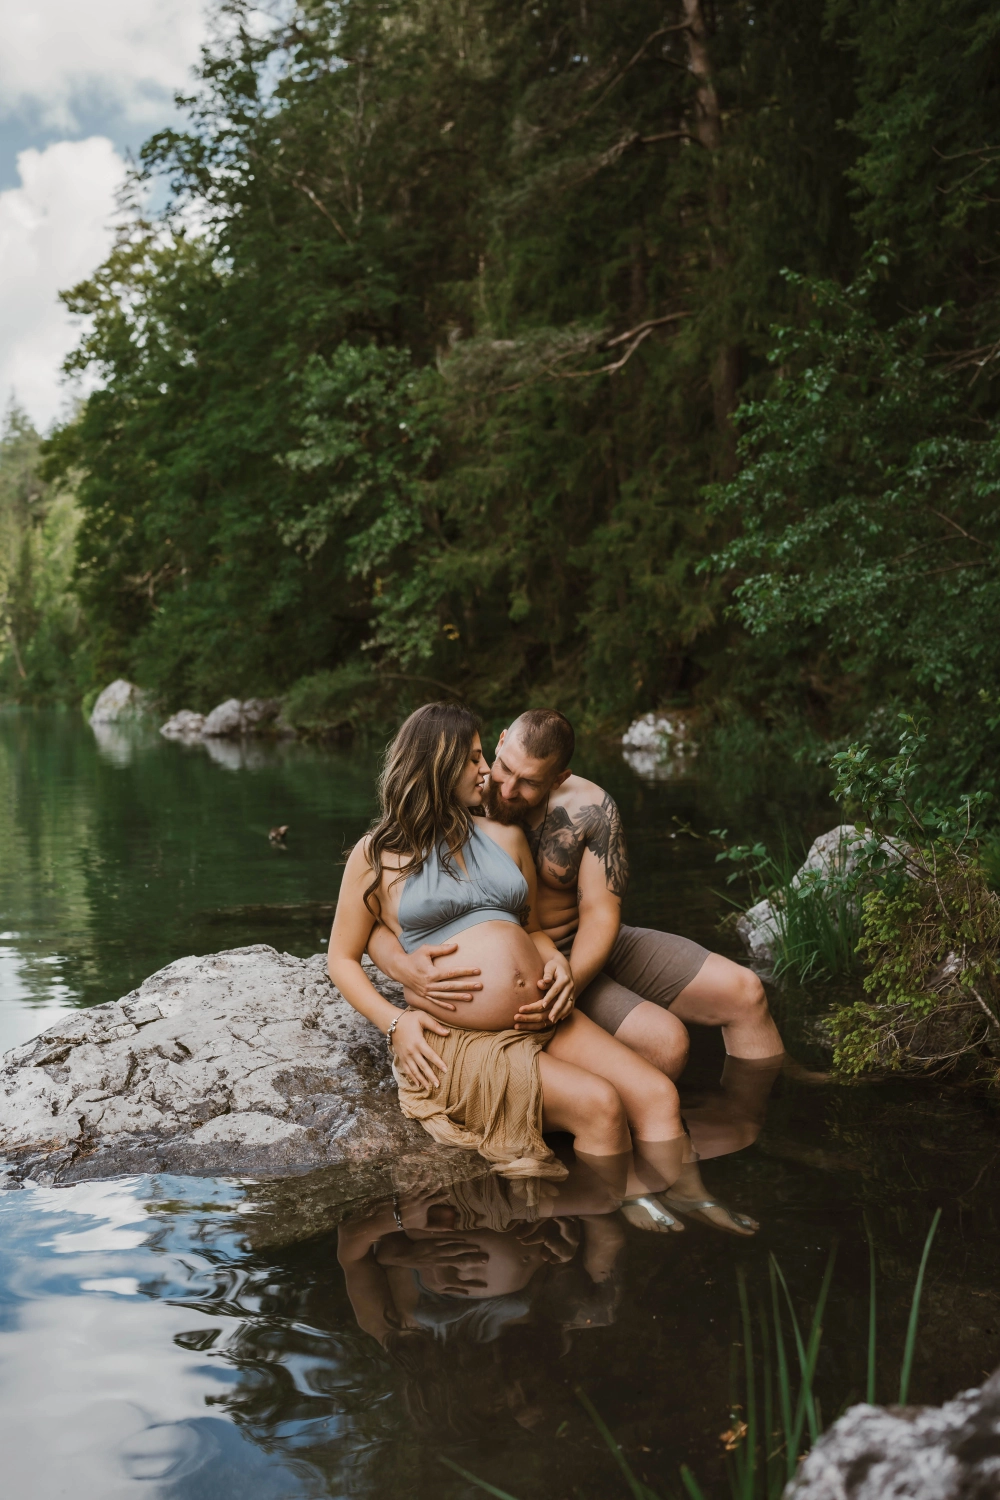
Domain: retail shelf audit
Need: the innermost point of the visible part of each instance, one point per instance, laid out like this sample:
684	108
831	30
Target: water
181	1338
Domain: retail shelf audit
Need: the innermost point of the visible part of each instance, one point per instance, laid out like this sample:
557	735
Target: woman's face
469	790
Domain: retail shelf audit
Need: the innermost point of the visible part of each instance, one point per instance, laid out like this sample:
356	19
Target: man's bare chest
557	846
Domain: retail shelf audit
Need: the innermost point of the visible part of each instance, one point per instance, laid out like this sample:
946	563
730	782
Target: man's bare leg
726	994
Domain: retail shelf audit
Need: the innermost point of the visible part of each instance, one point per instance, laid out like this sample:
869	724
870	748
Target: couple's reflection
476	1290
513	1265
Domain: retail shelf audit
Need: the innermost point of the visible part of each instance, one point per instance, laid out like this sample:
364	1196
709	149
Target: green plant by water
781	1414
816	921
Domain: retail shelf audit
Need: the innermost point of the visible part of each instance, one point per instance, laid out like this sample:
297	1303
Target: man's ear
563	776
503	736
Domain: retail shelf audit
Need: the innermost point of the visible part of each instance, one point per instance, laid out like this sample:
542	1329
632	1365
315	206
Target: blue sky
82	83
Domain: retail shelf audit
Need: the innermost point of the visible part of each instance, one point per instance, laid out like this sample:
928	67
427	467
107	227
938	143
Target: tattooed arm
601	884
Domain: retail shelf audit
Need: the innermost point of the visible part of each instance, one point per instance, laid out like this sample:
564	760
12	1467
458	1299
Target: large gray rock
244	1062
949	1452
120	700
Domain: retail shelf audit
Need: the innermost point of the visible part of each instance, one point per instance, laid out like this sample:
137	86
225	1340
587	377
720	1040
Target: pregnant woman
432	873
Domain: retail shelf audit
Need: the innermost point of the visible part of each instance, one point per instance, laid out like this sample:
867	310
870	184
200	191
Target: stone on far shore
119	700
242	1063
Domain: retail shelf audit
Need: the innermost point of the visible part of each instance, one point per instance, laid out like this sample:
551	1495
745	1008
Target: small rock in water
235	717
655	746
119	700
185	725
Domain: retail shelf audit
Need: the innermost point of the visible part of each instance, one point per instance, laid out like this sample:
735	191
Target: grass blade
489	1489
870	1385
805	1409
784	1385
639	1490
748	1465
691	1484
911	1332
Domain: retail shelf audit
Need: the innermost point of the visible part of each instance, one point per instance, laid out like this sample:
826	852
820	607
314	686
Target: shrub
930	924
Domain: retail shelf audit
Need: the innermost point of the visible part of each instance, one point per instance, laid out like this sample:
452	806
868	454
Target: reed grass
782	1418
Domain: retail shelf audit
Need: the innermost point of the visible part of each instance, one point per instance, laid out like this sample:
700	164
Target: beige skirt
489	1100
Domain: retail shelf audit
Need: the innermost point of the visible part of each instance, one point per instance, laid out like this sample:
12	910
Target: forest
618	357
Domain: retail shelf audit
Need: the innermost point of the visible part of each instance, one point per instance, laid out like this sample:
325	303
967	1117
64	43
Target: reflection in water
186	1339
435	1277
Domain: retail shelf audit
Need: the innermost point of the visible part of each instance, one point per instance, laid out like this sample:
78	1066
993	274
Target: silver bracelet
395	1023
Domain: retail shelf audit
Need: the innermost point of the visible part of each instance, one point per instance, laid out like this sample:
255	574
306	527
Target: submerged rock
244	1062
119	700
949	1452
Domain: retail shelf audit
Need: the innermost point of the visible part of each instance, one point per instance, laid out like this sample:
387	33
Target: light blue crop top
436	905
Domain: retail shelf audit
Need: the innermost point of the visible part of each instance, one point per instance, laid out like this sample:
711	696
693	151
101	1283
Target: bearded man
643	986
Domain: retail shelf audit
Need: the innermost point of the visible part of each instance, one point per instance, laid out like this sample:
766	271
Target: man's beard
513	811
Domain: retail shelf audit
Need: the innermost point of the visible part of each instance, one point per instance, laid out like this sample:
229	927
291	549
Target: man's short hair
546	734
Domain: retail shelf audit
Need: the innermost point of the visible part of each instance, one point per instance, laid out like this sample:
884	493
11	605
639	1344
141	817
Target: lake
185	1338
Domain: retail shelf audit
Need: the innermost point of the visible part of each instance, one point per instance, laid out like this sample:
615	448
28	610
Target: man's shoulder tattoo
559	841
605	837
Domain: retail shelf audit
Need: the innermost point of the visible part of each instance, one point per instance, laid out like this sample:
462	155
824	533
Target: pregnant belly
511	967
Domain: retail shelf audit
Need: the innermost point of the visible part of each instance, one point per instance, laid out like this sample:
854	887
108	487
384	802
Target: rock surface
120	700
949	1452
244	1062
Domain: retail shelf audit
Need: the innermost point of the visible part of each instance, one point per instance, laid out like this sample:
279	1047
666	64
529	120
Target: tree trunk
707	125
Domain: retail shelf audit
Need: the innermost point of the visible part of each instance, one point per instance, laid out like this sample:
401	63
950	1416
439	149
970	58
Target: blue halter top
435	905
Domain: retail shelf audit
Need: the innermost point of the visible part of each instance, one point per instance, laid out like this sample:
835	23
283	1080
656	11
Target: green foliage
502	228
869	502
39	615
930	924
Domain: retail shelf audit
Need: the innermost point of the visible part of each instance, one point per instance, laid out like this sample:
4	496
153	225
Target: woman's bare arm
352	925
367	1284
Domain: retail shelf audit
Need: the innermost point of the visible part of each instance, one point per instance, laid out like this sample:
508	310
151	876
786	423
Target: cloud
55	229
60	60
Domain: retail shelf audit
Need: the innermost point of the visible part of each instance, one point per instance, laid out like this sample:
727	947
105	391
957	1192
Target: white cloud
60	58
55	229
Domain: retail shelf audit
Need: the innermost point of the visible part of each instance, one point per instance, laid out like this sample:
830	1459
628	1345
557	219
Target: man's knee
749	991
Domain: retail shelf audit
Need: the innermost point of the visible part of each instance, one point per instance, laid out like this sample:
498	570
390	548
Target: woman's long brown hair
416	791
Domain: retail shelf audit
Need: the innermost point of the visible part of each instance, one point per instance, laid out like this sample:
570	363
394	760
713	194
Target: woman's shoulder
510	836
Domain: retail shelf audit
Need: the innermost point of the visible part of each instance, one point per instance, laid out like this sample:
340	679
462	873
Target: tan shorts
643	965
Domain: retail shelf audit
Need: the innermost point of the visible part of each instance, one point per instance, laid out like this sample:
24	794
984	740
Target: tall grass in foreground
781	1412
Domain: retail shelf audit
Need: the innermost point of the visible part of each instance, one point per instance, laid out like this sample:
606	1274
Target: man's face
518	782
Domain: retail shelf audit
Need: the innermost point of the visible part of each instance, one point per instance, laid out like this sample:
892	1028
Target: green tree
39	615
